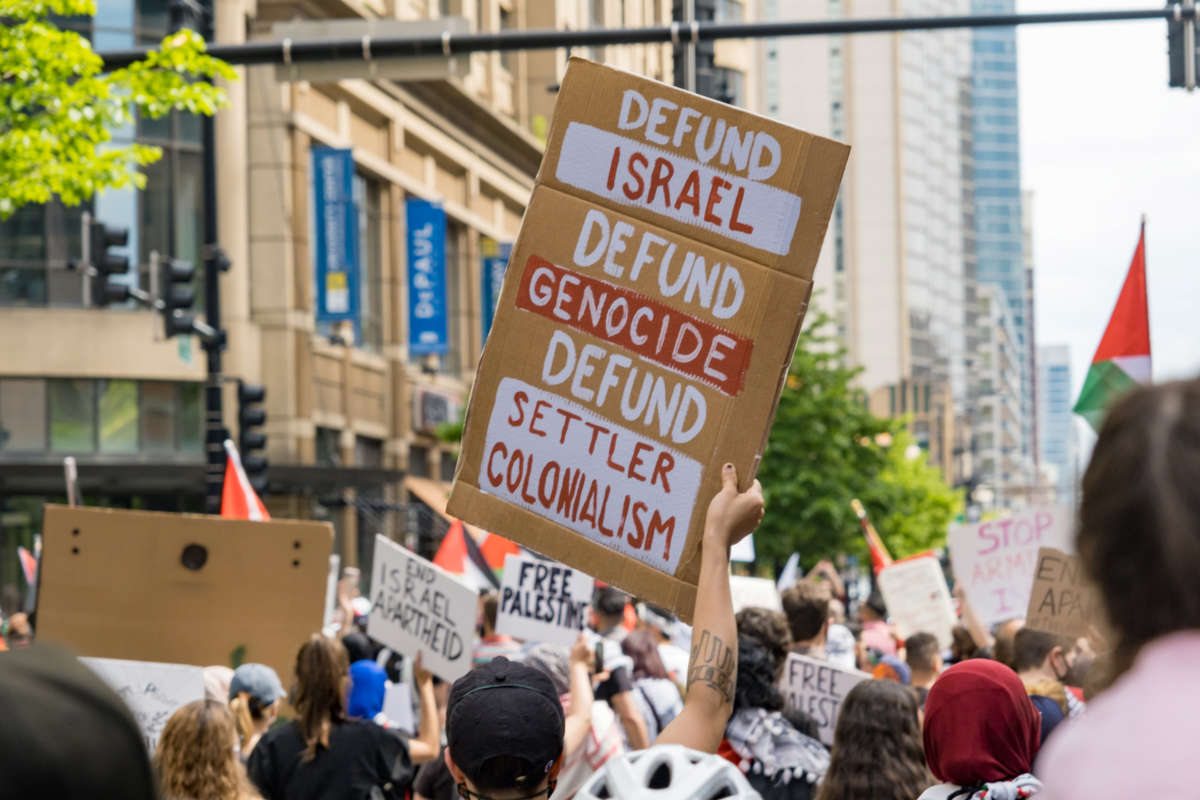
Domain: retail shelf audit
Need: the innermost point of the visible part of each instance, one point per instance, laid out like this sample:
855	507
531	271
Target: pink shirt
1139	738
877	634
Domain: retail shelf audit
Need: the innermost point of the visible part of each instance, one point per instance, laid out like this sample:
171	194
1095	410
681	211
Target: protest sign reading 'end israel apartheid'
152	691
541	601
645	327
995	560
418	607
818	688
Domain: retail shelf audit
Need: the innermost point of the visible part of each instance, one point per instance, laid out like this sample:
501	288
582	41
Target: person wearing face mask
1049	666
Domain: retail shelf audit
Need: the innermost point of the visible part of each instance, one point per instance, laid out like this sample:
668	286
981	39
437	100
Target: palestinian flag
460	555
1122	360
495	549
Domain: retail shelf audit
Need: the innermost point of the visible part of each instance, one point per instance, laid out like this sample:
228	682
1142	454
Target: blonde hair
322	679
245	711
195	757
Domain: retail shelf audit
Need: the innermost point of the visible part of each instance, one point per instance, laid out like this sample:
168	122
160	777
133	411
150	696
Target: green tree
58	107
827	448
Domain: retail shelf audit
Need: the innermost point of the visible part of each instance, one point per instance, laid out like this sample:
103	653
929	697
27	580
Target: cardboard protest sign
645	327
182	588
995	560
743	551
818	688
152	691
757	592
541	601
1063	601
418	607
917	598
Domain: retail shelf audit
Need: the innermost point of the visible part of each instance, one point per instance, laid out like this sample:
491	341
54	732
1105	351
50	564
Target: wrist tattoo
713	664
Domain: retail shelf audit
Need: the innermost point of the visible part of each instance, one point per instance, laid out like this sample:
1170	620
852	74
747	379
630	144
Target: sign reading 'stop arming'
995	560
651	307
541	601
418	607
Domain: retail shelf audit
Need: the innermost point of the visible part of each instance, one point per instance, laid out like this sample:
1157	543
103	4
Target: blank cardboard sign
181	588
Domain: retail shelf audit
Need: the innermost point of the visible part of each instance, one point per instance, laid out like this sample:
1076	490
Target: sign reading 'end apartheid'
418	607
644	329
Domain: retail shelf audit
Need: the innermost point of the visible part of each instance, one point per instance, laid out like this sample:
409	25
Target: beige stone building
351	413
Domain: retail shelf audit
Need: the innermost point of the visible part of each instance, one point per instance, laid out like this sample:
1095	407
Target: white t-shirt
658	701
675	661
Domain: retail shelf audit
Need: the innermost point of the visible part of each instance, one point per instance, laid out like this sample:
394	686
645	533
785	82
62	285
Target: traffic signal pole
215	262
287	51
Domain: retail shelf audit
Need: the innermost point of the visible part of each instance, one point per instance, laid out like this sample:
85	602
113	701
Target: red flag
238	498
460	555
495	549
880	557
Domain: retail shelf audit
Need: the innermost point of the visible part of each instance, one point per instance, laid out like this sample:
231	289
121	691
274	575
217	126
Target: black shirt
434	781
361	755
618	681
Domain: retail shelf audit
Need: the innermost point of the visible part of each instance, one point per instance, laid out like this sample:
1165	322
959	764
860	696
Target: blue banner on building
426	224
336	245
495	262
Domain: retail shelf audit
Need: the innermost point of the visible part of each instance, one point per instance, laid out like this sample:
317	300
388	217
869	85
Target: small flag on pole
1122	360
238	498
880	557
460	555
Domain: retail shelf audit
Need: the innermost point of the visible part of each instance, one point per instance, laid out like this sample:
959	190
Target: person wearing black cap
504	721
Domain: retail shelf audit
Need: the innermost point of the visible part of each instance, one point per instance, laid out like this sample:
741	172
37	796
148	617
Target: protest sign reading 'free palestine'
541	601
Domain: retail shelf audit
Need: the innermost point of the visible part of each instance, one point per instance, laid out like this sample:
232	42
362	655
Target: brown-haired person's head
642	647
1139	519
196	757
768	628
877	752
807	608
490	603
322	684
924	657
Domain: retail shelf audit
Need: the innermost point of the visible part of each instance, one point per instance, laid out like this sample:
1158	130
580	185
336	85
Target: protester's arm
579	720
975	627
712	671
428	742
826	568
631	720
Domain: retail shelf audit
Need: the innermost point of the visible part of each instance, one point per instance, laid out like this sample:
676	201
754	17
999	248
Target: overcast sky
1103	140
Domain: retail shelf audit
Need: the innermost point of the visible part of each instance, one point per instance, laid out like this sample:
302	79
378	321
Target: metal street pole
215	433
287	51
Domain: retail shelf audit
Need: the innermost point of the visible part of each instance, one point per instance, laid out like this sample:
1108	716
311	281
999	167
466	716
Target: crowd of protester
1002	713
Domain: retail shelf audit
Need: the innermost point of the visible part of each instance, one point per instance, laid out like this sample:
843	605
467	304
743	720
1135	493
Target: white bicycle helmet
668	772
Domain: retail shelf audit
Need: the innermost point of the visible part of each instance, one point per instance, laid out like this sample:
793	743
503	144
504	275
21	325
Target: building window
72	416
118	428
110	417
368	452
448	462
508	21
418	461
329	453
370	236
22	416
37	242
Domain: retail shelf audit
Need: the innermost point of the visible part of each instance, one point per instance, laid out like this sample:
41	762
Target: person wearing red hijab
981	734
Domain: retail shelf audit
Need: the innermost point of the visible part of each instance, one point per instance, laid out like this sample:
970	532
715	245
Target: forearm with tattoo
713	664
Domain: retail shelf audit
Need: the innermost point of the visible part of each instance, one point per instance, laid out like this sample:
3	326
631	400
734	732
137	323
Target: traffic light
251	439
178	295
101	240
1183	49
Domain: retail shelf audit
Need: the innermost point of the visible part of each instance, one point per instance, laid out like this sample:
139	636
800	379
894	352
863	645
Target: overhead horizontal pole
446	44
